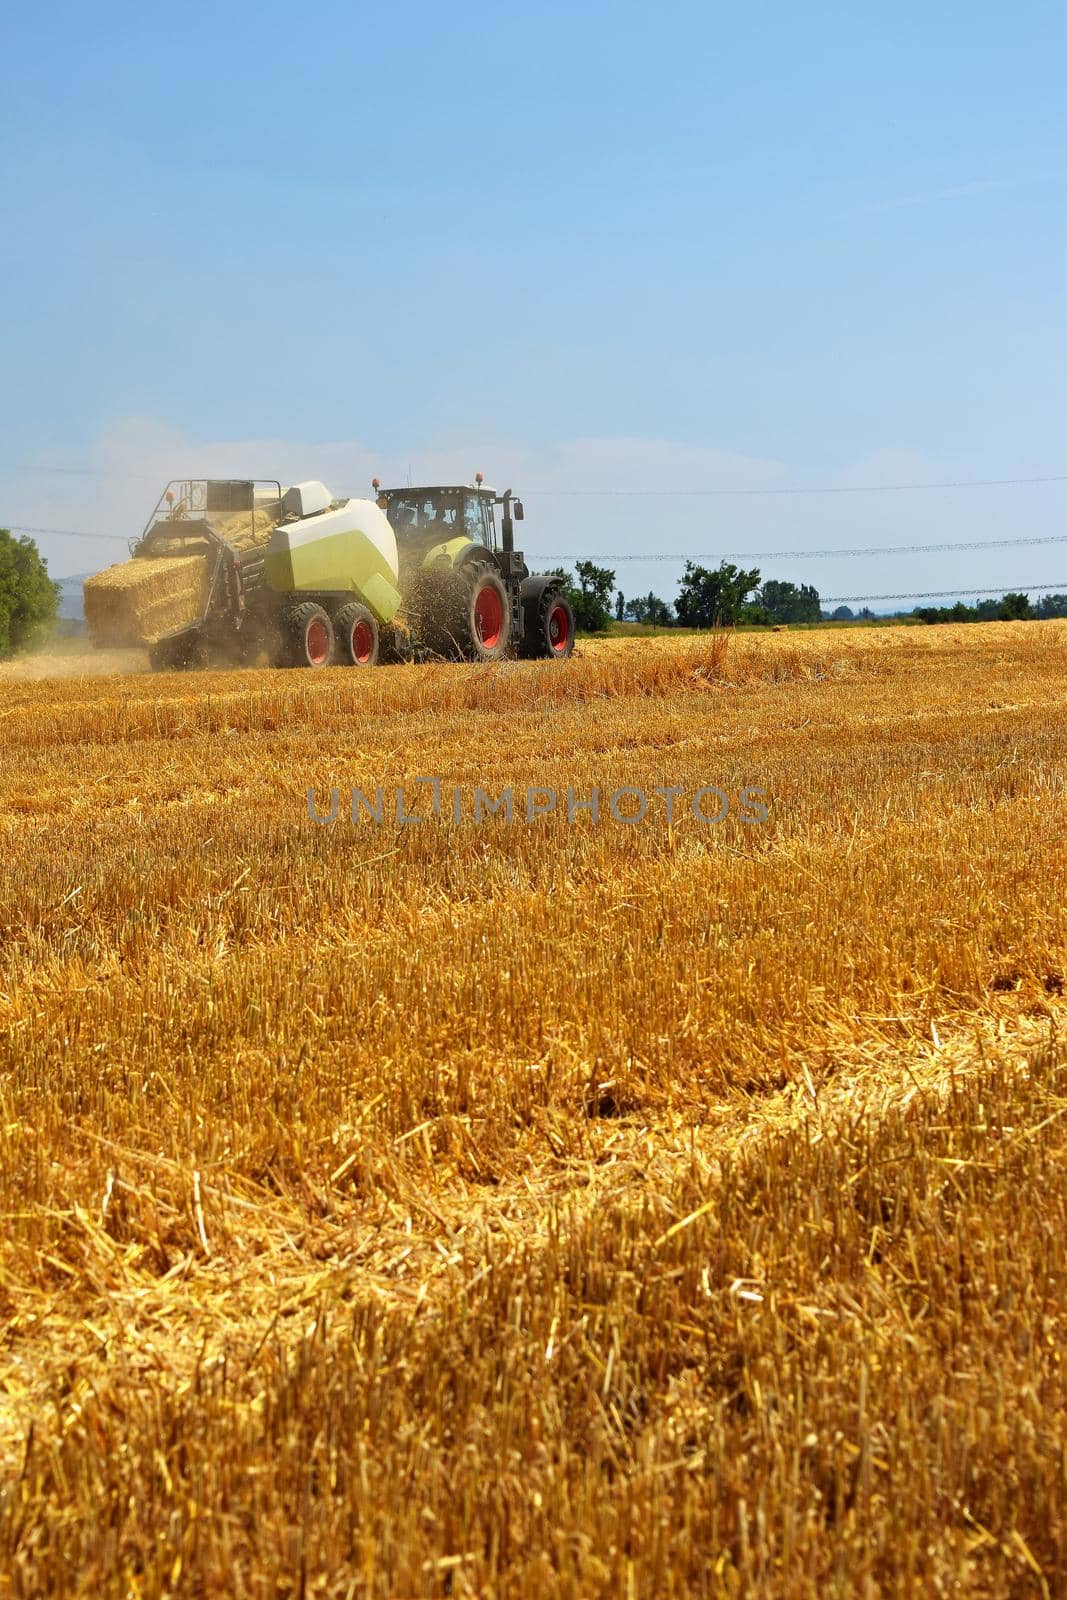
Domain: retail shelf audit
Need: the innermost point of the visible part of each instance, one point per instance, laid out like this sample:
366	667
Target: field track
538	1209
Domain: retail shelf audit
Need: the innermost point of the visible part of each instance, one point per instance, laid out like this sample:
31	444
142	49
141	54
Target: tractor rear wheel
307	637
549	630
356	629
475	617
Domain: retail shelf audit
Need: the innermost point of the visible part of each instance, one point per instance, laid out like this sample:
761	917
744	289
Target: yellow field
539	1209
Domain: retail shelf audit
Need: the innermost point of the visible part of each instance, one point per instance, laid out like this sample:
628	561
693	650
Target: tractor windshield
427	512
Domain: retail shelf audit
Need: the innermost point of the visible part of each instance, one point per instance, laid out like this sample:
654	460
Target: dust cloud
87	663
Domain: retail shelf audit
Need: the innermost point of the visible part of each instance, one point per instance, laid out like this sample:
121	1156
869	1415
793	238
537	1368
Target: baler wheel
307	637
356	629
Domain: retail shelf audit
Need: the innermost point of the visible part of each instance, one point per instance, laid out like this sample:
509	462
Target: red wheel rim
362	642
559	628
317	640
488	616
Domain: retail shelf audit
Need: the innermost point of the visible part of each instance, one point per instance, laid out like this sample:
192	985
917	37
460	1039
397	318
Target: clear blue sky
583	246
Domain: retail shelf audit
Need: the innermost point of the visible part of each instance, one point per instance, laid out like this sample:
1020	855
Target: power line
74	472
858	488
831	599
796	555
720	555
1054	585
65	533
658	494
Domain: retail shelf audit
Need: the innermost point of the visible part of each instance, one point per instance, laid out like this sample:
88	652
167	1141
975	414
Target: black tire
307	637
548	634
473	620
358	638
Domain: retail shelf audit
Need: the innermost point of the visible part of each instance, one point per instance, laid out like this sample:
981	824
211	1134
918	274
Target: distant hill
71	606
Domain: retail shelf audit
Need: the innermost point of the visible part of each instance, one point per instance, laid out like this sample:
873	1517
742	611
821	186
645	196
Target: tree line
730	596
1011	608
726	596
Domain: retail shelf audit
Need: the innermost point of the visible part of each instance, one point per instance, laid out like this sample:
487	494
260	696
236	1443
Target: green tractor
468	593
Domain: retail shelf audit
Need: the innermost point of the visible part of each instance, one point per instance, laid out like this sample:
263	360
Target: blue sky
579	247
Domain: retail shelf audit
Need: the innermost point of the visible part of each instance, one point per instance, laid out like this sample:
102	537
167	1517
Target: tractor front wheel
307	637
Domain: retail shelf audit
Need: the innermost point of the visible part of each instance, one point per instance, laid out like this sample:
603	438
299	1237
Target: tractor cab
424	517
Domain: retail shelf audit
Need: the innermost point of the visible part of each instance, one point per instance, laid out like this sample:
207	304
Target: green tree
650	608
620	606
28	596
788	603
843	614
590	598
709	599
1052	605
1011	608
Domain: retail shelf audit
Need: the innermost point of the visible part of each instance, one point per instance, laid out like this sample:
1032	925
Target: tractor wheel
549	630
475	616
356	630
307	637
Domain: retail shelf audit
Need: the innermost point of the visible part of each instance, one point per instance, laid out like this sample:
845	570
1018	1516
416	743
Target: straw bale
138	601
238	530
141	600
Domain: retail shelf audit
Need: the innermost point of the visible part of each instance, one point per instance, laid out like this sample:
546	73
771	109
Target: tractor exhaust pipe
507	526
507	520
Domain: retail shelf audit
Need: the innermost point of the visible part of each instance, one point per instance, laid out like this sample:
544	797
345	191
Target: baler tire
358	638
307	636
548	634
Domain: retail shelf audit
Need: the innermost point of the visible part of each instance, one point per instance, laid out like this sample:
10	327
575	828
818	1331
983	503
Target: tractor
468	593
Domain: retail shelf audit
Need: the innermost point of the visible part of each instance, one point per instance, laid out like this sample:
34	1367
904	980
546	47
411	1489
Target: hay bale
236	527
141	600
